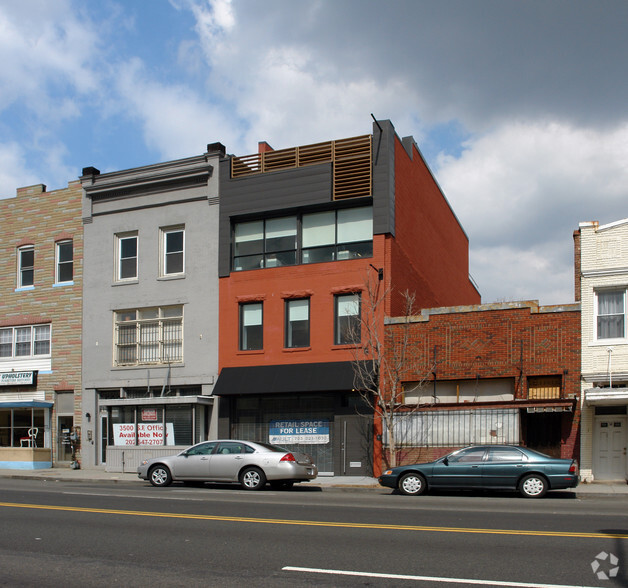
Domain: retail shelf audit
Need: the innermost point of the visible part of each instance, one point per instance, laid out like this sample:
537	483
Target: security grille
455	428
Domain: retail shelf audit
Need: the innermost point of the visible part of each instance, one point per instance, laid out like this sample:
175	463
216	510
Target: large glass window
173	242
152	425
308	238
251	326
268	243
149	336
65	262
319	237
298	323
127	256
611	312
347	319
26	266
27	341
23	427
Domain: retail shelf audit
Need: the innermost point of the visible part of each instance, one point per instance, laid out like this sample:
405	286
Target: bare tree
382	360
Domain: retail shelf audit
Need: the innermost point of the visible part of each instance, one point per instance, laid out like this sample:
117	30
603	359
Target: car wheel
412	484
159	475
252	479
281	485
533	486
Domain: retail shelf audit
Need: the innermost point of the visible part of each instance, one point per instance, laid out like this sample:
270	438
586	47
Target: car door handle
204	458
238	457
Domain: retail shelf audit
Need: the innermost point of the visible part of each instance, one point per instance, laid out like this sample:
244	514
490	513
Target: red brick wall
499	341
430	252
318	281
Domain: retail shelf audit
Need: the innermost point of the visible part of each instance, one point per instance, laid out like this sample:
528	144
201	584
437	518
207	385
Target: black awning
282	379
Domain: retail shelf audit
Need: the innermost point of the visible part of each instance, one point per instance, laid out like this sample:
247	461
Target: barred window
149	336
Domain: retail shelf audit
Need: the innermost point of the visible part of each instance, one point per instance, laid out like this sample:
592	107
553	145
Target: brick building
40	326
494	373
303	231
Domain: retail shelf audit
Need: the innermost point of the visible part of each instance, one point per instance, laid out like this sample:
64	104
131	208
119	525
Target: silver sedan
245	462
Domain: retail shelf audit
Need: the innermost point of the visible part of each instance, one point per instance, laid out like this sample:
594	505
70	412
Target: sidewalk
98	475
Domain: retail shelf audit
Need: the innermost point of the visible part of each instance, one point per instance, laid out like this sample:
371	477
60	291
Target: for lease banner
147	434
314	432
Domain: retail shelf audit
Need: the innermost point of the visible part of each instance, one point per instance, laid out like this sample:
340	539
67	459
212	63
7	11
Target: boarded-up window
544	387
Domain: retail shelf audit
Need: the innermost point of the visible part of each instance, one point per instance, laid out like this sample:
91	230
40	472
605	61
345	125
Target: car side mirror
446	461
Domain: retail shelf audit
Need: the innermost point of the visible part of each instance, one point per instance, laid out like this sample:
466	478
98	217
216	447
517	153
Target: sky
520	108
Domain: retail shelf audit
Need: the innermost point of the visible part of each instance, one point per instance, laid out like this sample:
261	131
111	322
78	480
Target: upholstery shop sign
306	432
147	434
17	378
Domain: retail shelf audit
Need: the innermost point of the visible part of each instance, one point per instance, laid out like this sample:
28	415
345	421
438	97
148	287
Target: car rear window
274	448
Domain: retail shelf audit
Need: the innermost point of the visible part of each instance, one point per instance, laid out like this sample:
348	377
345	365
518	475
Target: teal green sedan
486	467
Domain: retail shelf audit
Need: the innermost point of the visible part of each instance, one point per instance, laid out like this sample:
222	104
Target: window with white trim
25	341
126	256
611	314
148	336
347	326
251	326
25	266
297	323
172	251
64	262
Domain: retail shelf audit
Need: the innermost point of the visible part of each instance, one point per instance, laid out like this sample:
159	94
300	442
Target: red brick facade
512	343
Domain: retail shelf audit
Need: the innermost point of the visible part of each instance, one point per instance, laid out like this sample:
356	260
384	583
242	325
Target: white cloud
13	170
520	192
175	121
44	48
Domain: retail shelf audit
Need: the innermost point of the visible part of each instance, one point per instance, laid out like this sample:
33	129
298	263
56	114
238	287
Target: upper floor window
24	341
149	336
611	314
347	326
64	262
297	323
251	326
265	243
337	235
172	258
306	238
126	253
26	266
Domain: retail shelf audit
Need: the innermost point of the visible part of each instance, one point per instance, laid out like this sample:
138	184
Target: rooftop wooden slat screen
351	159
544	388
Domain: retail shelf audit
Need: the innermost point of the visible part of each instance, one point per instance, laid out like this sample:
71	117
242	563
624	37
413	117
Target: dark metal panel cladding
383	177
269	192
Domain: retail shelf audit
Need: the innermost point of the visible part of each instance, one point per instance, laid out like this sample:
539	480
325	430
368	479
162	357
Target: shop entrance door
354	442
610	448
104	437
64	447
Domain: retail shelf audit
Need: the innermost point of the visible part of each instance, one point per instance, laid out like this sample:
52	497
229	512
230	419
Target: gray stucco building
150	292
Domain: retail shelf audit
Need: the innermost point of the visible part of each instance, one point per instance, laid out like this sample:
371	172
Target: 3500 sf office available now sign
147	434
307	432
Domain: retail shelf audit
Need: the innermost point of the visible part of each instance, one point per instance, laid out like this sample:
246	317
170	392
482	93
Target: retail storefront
306	407
141	425
25	440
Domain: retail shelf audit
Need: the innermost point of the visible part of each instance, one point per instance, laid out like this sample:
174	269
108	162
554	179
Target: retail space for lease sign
306	432
147	434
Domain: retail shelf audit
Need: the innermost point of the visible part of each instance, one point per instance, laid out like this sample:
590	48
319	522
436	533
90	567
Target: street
98	534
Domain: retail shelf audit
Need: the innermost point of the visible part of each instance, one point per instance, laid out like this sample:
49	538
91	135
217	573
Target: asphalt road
90	534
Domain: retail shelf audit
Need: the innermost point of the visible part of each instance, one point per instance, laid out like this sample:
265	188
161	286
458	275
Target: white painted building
603	292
